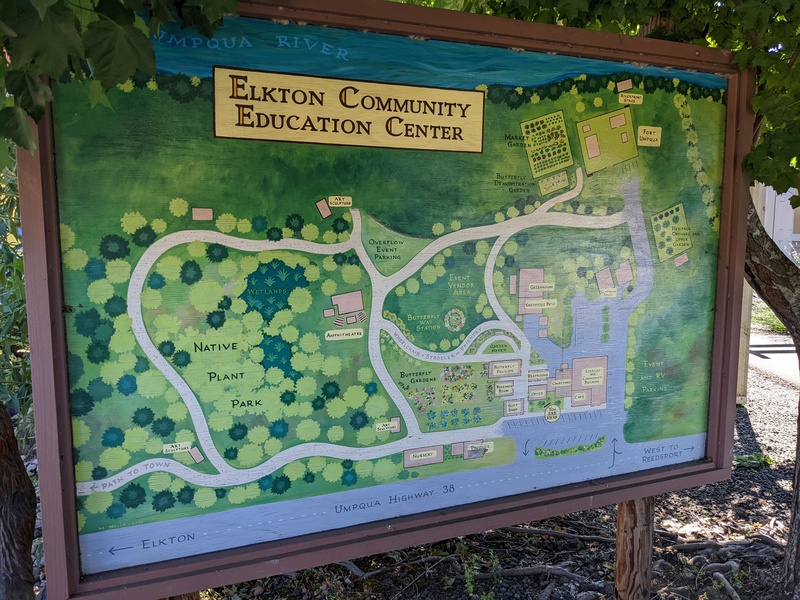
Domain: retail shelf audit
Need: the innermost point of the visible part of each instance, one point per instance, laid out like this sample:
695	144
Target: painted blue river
338	53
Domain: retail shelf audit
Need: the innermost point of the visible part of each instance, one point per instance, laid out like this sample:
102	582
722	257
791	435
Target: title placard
259	105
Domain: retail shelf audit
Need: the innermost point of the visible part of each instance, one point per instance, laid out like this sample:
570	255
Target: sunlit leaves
97	95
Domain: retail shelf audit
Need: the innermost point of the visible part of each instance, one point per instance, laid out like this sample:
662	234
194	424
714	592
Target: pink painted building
589	381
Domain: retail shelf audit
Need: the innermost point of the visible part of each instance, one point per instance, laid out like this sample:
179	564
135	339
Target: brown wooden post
634	563
744	345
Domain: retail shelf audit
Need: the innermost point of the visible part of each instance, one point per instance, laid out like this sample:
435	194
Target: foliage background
15	373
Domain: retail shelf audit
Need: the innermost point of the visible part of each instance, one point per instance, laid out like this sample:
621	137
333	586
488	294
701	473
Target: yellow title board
260	105
625	98
340	201
648	136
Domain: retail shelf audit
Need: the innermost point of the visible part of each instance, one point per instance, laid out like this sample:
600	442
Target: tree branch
772	275
562	534
529	571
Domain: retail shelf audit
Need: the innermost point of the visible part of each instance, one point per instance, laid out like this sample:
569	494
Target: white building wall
781	221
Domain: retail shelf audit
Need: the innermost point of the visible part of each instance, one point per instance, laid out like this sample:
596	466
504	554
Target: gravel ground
738	523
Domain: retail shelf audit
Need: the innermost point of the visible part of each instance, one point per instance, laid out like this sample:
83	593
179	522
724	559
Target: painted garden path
381	287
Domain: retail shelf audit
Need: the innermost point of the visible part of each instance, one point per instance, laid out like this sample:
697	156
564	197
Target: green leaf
192	16
6	328
545	16
97	95
41	6
116	52
6	31
48	42
573	8
136	5
755	14
214	10
777	108
139	23
29	91
114	10
77	68
7	153
771	161
85	12
14	125
160	12
752	461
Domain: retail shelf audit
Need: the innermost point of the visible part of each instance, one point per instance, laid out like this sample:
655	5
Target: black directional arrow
525	451
689	448
614	453
113	551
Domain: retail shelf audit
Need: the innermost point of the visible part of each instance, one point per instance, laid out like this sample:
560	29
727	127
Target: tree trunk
634	563
777	280
17	517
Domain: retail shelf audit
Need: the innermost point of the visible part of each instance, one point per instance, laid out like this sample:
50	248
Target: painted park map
316	278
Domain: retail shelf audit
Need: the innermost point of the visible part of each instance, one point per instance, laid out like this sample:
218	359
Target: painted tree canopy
765	36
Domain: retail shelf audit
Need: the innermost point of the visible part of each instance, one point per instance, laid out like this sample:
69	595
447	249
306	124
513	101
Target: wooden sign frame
46	307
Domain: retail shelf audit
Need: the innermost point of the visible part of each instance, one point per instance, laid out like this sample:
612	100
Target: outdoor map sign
327	291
